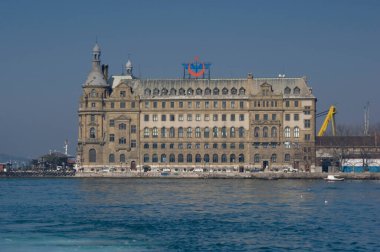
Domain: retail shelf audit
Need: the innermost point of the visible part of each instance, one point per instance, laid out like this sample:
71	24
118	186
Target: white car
291	169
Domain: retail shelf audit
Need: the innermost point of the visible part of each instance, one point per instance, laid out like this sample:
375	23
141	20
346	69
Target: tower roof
96	76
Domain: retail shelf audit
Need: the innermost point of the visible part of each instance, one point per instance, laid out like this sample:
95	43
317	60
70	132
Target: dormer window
234	91
207	91
181	91
122	93
287	90
215	91
156	91
93	93
225	91
164	91
296	90
241	91
173	91
147	91
190	91
199	91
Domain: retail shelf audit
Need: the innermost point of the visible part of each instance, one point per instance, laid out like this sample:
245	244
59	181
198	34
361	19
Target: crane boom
329	117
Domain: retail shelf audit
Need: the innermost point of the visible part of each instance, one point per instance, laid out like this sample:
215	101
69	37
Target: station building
193	123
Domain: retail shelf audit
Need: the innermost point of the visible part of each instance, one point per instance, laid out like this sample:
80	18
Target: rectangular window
215	104
307	137
180	146
171	146
122	93
180	104
232	117
155	118
287	104
295	103
93	105
155	104
224	104
146	104
215	146
112	137
241	104
163	118
207	104
133	104
122	104
197	146
206	146
112	123
257	117
189	117
146	118
133	144
198	117
172	104
180	117
92	118
224	146
155	146
189	104
198	104
273	117
287	117
189	145
307	110
215	117
163	104
266	117
172	118
232	146
133	129
112	105
241	117
296	117
307	124
163	146
224	117
232	104
207	117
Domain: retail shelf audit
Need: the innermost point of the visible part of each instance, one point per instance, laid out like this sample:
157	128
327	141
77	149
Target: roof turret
96	76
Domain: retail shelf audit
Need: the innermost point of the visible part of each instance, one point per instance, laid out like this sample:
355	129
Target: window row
196	117
296	90
181	146
265	132
190	91
181	158
197	132
196	104
273	158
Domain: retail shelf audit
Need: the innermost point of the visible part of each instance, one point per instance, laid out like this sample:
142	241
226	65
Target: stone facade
127	123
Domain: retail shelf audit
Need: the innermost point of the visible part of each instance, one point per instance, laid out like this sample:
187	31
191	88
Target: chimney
105	71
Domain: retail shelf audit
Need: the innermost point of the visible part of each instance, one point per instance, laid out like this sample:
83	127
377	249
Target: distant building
194	123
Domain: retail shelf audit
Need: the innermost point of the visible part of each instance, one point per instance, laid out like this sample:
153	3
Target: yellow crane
330	116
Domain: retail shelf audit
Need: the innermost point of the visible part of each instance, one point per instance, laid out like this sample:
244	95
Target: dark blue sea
78	214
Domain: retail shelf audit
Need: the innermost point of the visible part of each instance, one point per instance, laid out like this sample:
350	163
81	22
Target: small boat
333	178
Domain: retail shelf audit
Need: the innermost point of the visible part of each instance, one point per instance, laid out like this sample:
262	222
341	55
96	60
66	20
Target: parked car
290	169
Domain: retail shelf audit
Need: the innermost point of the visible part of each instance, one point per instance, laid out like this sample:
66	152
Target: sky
45	51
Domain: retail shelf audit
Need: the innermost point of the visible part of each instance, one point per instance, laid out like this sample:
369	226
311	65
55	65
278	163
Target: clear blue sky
46	47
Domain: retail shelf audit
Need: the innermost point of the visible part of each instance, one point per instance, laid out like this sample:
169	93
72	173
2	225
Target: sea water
72	214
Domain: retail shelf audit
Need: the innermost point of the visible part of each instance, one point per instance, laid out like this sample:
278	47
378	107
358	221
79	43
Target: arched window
154	158
146	146
287	157
172	132
296	132
241	158
190	91
163	132
111	158
273	132
296	90
207	91
215	158
156	91
265	131
241	132
92	155
225	91
224	131
198	158
234	91
92	132
147	91
287	132
256	158
173	91
232	158
181	91
155	132
164	91
171	158
207	132
163	158
224	158
146	158
256	132
215	132
180	158
199	91
206	158
180	132
146	132
189	132
232	132
189	158
273	158
287	90
241	91
122	158
215	91
197	132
